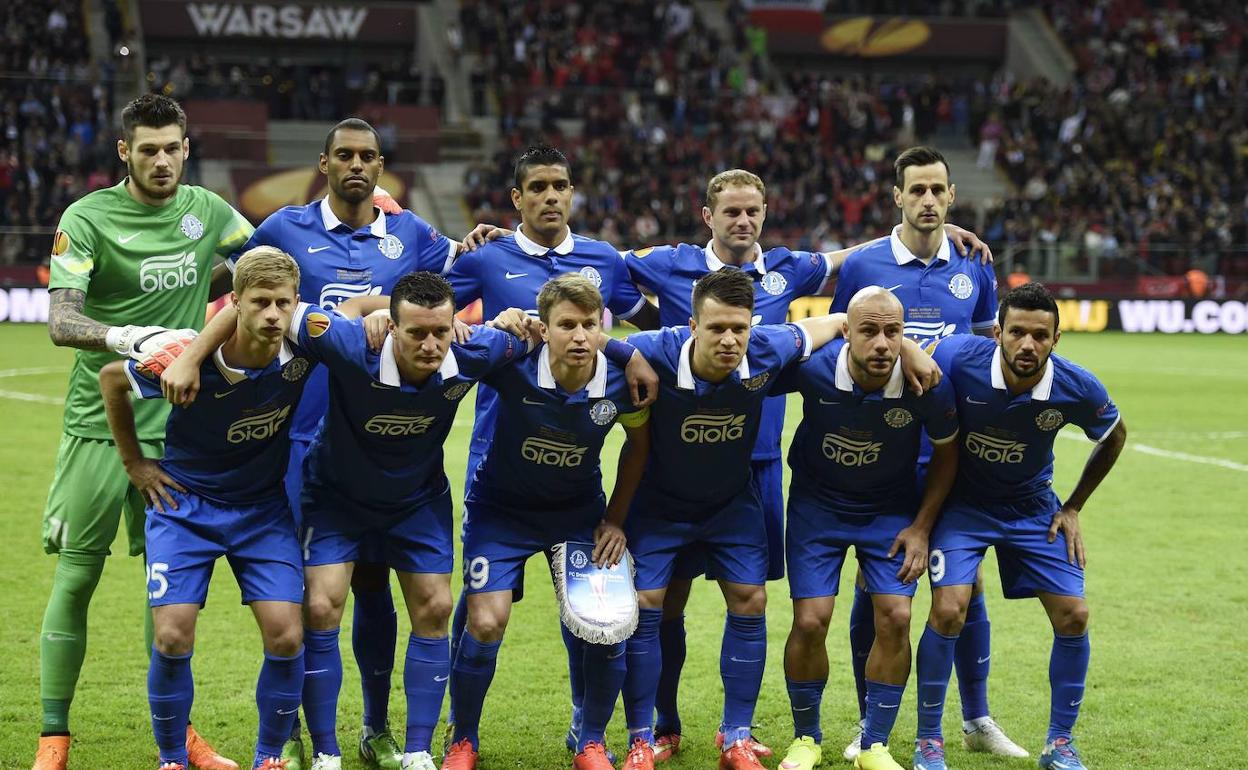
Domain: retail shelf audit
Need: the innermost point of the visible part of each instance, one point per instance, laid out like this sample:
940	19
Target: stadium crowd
57	141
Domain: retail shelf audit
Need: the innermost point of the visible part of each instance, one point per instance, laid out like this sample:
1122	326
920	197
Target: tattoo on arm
67	325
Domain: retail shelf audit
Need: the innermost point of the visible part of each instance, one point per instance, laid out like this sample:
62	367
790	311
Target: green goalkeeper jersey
140	265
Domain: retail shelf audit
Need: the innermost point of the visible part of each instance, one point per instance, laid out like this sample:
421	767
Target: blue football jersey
1006	444
337	263
952	294
780	276
510	271
702	433
854	452
231	445
380	444
544	453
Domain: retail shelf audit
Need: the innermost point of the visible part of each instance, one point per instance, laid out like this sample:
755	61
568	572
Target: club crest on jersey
774	283
603	412
593	275
192	228
898	417
316	323
960	286
457	391
757	381
578	559
294	369
1050	419
390	246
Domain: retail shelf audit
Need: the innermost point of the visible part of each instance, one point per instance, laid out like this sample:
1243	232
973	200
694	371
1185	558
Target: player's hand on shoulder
179	382
921	371
968	243
513	320
643	382
481	235
913	542
376	327
151	480
1066	520
461	331
609	544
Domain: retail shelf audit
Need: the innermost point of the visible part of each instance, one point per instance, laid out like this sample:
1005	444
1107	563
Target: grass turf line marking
32	397
1171	455
31	371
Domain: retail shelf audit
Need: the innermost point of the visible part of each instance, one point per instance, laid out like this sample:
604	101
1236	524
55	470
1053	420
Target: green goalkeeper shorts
90	491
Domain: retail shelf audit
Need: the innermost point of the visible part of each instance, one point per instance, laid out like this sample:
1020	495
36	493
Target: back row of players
852	457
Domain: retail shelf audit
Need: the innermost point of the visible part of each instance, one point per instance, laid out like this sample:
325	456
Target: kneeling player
854	485
218	492
1013	397
540	484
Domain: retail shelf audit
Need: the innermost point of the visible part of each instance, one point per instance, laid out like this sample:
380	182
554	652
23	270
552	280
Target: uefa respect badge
597	604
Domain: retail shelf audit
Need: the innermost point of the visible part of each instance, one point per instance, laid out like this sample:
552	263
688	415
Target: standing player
853	460
1013	397
736	208
943	294
217	492
141	251
347	247
540	484
509	272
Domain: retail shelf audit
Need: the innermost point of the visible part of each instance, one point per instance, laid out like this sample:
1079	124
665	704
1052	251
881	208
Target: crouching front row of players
375	487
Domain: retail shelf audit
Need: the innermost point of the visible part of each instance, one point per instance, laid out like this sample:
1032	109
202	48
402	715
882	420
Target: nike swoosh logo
164	719
55	637
380	385
883	706
531	403
378	672
1074	703
441	678
898	286
126	239
510	276
983	659
970	400
613	657
927	705
316	671
739	660
312	250
295	710
826	402
222	395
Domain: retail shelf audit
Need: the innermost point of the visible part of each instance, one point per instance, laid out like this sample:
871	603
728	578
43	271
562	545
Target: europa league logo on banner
597	604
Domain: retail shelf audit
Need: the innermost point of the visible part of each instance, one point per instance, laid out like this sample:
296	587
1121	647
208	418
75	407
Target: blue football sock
459	621
642	678
861	637
576	666
278	690
672	652
804	700
170	692
741	660
933	667
474	670
883	703
322	681
424	683
1068	672
603	666
374	631
971	660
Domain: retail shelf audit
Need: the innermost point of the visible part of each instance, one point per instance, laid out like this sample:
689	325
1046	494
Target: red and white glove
156	351
385	201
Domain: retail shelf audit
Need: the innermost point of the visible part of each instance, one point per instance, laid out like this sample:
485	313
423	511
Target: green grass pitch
1168	588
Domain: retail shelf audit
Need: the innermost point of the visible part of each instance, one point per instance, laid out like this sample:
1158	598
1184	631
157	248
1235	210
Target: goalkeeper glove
154	347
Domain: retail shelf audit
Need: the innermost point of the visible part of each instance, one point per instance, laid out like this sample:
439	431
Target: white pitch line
31	371
34	397
1171	455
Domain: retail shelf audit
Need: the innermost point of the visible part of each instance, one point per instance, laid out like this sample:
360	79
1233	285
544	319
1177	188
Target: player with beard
142	250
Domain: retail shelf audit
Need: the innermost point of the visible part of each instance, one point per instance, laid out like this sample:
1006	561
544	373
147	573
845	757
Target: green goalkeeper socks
63	639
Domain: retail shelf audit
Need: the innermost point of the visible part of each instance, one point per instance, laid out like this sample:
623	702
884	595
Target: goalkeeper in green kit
141	252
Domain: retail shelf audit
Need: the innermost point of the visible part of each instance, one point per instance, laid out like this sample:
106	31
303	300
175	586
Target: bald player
854	484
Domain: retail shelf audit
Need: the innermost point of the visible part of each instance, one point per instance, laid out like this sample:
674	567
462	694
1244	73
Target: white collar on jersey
535	249
331	220
714	263
597	385
904	255
389	370
1040	392
235	376
844	380
684	369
